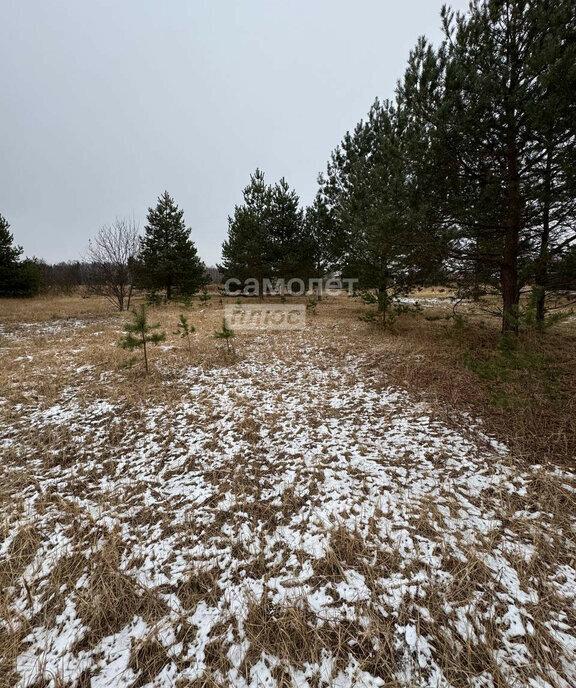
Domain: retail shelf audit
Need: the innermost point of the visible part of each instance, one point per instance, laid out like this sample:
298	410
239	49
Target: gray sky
106	103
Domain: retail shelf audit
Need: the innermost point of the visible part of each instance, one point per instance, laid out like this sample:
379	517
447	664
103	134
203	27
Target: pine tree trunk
383	301
129	297
540	304
541	275
509	280
509	267
145	355
476	291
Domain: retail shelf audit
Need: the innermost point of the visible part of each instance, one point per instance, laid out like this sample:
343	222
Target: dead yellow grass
423	356
50	307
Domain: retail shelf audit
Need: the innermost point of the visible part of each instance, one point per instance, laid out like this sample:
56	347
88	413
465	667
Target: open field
338	506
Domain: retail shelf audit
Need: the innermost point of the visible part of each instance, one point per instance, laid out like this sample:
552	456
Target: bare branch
112	252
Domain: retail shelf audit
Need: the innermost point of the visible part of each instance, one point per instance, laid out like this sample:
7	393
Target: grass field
338	506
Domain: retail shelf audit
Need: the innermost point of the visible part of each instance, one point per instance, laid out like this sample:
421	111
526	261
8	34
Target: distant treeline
65	277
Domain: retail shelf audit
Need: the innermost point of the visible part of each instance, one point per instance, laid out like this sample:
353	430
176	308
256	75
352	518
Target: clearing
294	516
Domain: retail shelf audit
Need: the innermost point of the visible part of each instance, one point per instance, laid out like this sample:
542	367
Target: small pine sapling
185	329
228	334
312	305
204	296
186	301
153	298
139	333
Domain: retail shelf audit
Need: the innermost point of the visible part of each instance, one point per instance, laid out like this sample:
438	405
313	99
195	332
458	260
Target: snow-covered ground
288	519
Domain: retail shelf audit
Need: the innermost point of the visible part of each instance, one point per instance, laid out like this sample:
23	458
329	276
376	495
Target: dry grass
204	530
531	408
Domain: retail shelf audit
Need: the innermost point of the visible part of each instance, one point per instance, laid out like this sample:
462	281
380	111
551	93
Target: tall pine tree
488	99
289	246
323	236
367	190
268	237
246	251
9	253
17	278
552	119
168	258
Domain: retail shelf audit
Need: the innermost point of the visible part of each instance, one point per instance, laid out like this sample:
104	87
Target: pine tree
367	191
17	278
552	119
9	253
289	249
323	237
227	334
185	329
268	237
246	251
139	333
484	99
205	297
562	277
168	258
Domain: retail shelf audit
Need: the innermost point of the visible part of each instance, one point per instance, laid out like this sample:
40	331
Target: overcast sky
107	103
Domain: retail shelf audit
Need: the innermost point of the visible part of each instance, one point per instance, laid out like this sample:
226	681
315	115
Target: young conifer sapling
139	333
185	329
226	333
204	296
